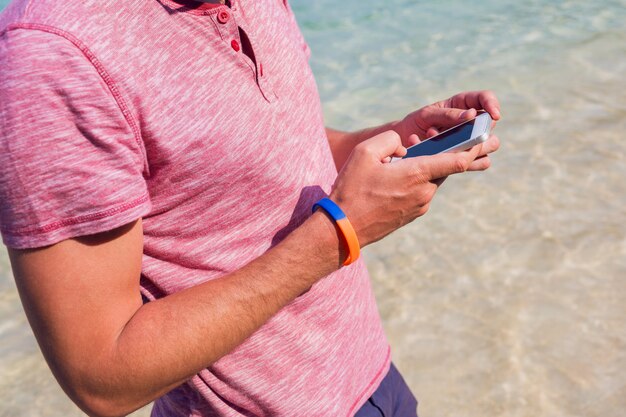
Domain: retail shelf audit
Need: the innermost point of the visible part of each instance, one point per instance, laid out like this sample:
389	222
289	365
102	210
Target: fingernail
463	114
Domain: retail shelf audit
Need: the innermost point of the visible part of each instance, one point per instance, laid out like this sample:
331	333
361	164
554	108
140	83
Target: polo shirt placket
228	21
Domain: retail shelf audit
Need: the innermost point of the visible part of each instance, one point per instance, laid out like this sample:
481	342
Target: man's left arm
422	124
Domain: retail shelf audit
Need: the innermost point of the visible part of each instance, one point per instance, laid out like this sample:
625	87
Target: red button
223	16
235	45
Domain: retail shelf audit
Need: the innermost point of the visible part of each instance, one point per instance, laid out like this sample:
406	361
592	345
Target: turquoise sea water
507	299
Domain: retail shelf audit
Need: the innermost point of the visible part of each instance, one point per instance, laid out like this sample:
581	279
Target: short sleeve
70	163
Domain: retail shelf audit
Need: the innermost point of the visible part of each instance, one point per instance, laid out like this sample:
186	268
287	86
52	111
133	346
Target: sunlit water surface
508	298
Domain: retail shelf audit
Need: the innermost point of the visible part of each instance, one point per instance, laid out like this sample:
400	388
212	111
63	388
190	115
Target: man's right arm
112	354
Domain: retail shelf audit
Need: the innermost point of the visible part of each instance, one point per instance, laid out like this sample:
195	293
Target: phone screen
443	141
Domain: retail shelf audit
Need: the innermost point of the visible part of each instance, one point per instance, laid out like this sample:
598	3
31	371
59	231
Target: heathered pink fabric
113	111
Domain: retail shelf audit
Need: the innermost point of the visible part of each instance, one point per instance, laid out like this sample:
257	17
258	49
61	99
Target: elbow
98	406
97	403
99	391
99	388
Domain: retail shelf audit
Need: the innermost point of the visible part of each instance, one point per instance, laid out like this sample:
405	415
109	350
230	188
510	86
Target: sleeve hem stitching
77	220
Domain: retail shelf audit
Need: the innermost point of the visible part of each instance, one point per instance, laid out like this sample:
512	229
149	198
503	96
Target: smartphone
455	139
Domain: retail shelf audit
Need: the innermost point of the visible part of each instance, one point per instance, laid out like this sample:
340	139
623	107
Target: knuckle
426	194
422	112
432	190
362	148
395	136
461	165
418	175
422	198
423	210
481	164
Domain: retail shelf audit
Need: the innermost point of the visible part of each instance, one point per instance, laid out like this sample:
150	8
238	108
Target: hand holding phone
456	139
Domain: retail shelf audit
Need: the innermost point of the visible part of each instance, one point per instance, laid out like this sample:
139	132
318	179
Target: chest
216	122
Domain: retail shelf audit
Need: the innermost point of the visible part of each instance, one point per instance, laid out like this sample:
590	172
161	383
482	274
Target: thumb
384	145
441	165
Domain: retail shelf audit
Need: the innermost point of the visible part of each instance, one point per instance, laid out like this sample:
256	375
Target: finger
490	145
464	116
468	114
399	154
485	100
413	140
489	102
443	118
383	145
480	164
432	132
474	152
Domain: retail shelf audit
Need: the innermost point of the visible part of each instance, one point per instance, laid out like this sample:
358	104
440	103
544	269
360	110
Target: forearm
341	143
169	340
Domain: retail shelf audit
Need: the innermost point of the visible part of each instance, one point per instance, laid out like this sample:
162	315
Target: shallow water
507	299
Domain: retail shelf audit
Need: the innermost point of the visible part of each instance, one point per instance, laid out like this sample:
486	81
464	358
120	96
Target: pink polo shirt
116	110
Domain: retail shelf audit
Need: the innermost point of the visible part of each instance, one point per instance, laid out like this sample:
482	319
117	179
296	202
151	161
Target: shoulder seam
108	80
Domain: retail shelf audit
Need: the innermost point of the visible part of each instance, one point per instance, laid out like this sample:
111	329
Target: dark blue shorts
392	398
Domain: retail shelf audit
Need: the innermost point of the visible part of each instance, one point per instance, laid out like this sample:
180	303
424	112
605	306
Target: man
159	164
